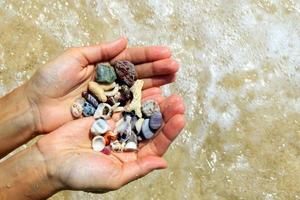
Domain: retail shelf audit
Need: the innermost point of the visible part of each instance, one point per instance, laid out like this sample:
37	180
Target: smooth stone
155	121
98	143
146	133
138	125
125	71
105	74
149	108
77	107
103	111
90	98
97	90
88	109
100	127
106	150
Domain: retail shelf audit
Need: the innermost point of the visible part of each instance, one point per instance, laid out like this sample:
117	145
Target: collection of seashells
117	90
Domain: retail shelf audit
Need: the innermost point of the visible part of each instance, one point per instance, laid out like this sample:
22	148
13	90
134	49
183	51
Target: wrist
17	120
26	176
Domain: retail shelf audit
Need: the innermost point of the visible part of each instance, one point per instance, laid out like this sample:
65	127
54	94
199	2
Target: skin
63	159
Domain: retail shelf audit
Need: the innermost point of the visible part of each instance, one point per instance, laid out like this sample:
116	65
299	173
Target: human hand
54	87
73	164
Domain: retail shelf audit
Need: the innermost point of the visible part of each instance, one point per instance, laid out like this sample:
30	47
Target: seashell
100	127
103	111
131	144
115	106
90	98
125	71
109	136
98	143
98	91
88	109
105	73
123	129
155	121
135	104
138	125
112	92
119	109
146	133
107	87
77	107
149	107
117	146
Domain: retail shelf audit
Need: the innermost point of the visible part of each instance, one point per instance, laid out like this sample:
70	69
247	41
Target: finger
139	55
104	52
173	105
156	97
141	167
160	143
151	91
158	81
160	67
170	131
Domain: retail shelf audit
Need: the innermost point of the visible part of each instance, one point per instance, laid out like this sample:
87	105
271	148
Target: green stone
105	74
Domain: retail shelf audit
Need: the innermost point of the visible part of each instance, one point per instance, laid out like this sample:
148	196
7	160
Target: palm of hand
55	86
71	159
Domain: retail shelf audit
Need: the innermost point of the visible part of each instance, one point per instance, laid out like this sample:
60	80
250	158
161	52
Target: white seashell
117	146
130	146
98	143
115	106
101	111
112	92
135	104
138	125
119	109
100	127
123	128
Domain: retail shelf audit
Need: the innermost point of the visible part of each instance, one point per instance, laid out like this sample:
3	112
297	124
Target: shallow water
240	78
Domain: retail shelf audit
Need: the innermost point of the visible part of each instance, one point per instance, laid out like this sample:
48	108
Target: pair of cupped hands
66	144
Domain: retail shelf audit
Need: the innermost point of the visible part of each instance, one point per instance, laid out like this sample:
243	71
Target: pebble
99	127
135	104
98	143
125	92
104	111
146	133
106	150
150	107
88	109
155	121
77	107
125	71
105	74
91	99
98	91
